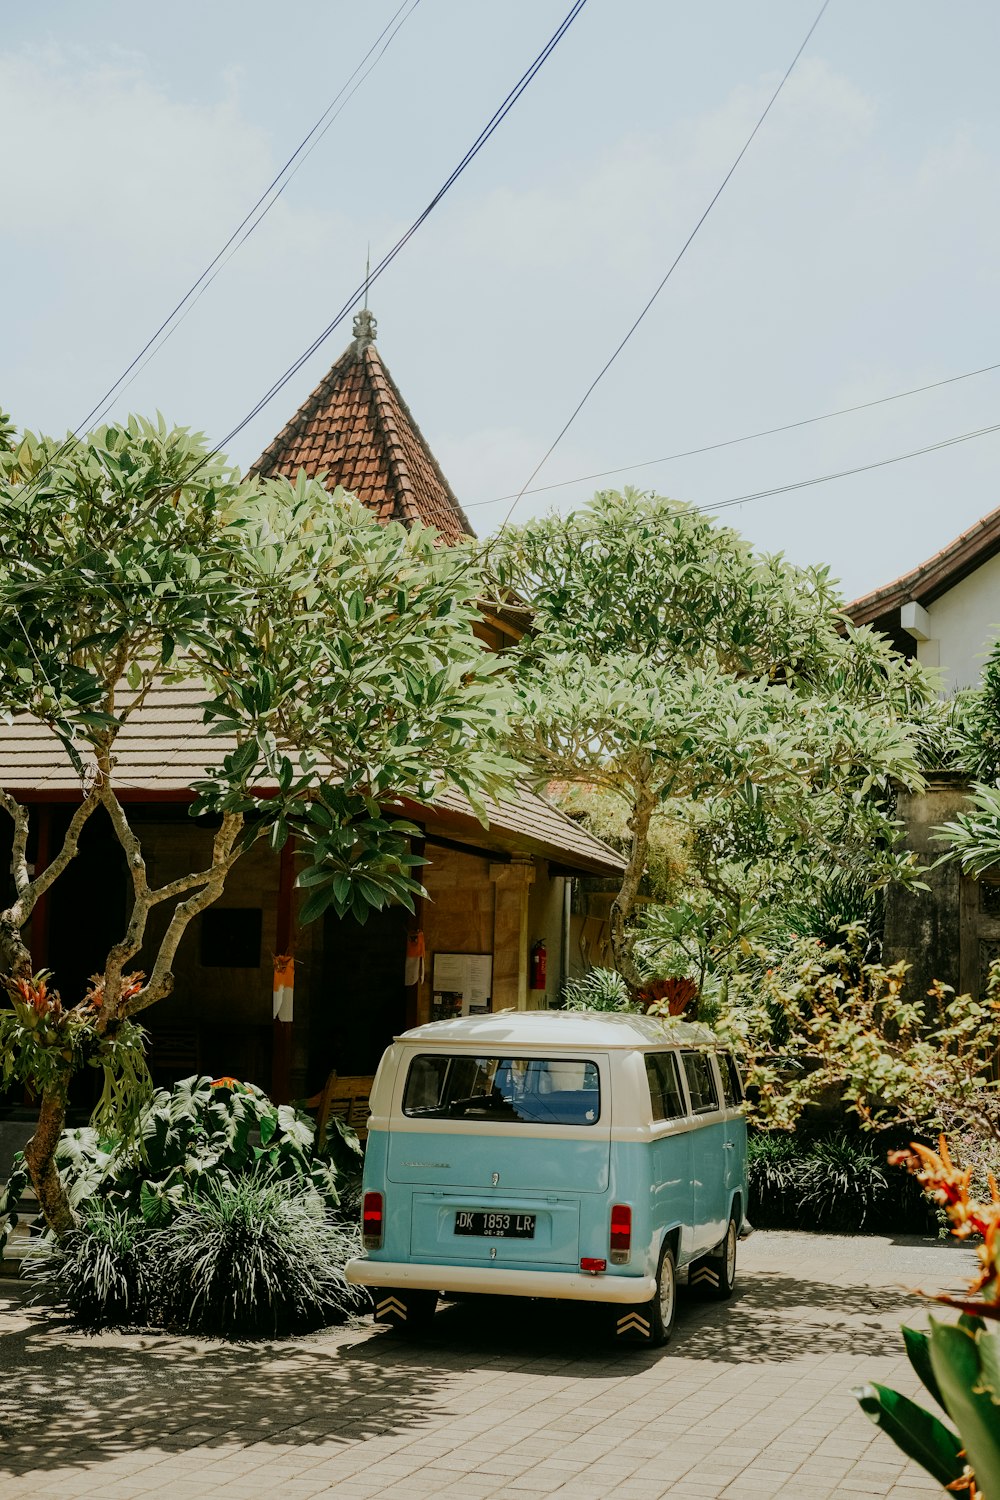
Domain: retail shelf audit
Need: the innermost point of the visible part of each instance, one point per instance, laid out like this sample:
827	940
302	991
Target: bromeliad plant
44	1043
958	1363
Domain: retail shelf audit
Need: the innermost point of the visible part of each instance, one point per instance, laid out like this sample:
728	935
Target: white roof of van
559	1028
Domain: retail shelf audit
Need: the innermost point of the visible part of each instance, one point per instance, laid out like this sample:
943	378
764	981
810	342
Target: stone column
510	933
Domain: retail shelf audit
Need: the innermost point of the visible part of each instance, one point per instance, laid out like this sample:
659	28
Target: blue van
584	1155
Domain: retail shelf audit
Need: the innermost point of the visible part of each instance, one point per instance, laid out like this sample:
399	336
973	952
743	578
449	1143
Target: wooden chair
345	1098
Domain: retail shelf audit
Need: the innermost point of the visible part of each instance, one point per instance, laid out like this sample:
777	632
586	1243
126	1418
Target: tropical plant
10	1199
694	680
199	1134
973	837
832	1019
335	657
958	1363
598	989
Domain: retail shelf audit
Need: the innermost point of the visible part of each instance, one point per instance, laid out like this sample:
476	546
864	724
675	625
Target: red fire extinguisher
538	963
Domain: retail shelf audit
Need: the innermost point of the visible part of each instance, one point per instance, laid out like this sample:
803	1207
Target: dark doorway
363	1003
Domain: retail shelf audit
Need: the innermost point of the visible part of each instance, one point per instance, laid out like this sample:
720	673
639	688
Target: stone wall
934	930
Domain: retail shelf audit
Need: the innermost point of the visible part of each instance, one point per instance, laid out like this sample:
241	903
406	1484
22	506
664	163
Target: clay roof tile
356	430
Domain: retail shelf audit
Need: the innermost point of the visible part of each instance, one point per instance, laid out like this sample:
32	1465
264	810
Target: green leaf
956	1362
916	1431
918	1352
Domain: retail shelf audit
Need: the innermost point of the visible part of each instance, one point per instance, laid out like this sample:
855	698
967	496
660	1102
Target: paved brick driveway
750	1400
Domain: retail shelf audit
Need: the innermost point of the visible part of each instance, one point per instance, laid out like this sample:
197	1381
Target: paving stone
751	1400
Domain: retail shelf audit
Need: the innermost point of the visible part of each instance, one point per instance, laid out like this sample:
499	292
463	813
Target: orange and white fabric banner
284	986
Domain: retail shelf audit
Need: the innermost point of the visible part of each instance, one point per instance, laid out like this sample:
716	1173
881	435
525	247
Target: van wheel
652	1322
714	1276
408	1312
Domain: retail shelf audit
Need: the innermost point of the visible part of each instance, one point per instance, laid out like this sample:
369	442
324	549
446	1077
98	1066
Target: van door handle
730	1145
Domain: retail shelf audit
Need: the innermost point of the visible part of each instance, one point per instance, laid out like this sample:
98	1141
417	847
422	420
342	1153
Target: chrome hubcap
731	1255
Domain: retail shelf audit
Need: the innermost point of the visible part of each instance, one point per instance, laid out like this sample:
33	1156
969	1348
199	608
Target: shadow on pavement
770	1319
67	1400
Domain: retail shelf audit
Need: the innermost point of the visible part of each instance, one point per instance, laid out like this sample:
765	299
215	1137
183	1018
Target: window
700	1082
732	1083
230	937
532	1090
664	1086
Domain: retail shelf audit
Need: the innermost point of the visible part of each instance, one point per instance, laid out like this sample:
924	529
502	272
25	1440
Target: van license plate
496	1226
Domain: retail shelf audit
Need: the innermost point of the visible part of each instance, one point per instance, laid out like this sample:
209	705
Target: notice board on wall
461	985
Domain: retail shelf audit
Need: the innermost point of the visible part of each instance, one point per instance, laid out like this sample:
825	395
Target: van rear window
532	1090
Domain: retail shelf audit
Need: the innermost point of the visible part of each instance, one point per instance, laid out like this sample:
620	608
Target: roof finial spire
364	322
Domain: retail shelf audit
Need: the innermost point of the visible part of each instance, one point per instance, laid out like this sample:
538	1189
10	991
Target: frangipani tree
339	670
677	669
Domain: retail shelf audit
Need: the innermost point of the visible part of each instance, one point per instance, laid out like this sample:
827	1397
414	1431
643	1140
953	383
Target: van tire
652	1323
713	1277
408	1313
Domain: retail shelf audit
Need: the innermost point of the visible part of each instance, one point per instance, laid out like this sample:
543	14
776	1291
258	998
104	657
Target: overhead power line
748	437
879	463
272	192
243	230
494	122
669	272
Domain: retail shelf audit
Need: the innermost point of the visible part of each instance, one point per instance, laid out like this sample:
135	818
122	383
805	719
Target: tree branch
130	944
27	898
20	817
161	979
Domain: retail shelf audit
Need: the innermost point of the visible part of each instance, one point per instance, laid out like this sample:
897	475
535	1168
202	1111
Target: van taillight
621	1233
371	1221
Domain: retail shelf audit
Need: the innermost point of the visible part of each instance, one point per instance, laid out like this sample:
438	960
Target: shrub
102	1273
600	989
836	1182
203	1131
254	1258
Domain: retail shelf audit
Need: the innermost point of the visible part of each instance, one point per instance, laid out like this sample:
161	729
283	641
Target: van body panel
526	1161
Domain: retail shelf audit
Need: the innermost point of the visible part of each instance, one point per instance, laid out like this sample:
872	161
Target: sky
852	255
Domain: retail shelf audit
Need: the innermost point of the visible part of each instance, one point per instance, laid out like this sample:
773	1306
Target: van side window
732	1083
664	1086
700	1082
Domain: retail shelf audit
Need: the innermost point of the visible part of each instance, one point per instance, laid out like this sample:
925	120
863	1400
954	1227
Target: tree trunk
624	903
39	1154
15	959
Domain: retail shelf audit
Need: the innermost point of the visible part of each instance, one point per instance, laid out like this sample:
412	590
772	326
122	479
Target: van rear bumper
497	1281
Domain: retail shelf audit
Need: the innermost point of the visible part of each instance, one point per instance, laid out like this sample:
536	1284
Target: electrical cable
484	135
249	224
670	271
880	463
282	180
749	437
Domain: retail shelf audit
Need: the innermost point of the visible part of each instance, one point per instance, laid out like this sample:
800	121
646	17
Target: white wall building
946	612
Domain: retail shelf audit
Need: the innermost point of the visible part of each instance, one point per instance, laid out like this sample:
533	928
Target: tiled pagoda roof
356	430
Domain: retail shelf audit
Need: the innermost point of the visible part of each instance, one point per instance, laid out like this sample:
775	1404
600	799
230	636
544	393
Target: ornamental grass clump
833	1182
102	1274
255	1258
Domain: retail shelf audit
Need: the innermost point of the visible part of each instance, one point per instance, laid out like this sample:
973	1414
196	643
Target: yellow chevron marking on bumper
390	1306
633	1322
